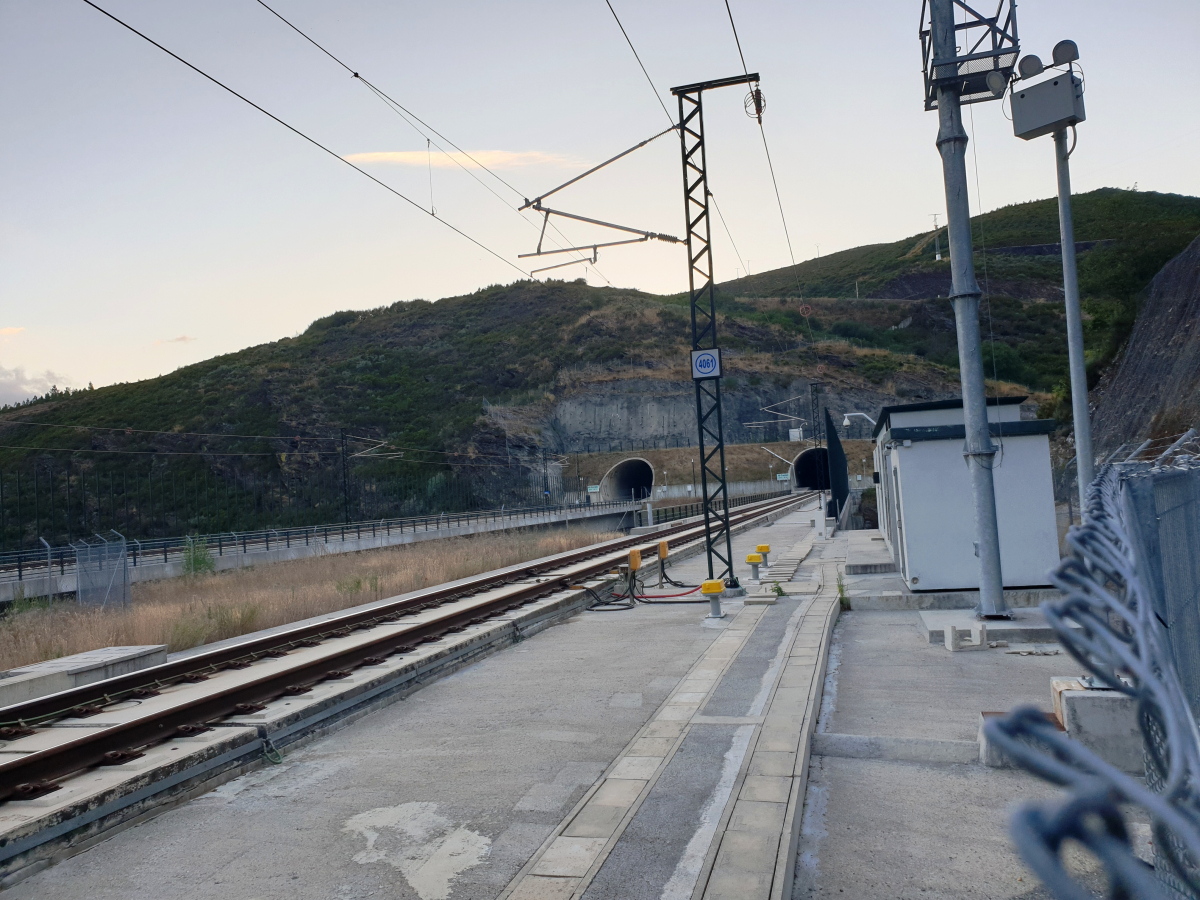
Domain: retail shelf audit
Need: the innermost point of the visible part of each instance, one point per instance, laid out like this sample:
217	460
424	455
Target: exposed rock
1154	390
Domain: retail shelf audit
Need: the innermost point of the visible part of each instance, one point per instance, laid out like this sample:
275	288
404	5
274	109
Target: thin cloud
9	332
182	339
492	159
16	385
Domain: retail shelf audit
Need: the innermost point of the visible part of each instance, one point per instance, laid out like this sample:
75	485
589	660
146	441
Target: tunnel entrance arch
630	478
811	469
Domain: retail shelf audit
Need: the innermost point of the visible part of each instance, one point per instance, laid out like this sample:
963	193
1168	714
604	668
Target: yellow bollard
764	549
713	589
754	559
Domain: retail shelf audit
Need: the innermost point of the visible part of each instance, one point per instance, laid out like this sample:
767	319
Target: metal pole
345	481
979	453
1084	460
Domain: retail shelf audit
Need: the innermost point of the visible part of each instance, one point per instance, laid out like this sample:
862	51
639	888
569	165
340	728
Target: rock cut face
1155	390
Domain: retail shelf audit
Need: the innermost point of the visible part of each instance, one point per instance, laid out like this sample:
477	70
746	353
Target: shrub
197	558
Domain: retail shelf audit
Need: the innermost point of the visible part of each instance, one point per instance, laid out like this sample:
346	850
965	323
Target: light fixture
1030	66
997	83
1065	52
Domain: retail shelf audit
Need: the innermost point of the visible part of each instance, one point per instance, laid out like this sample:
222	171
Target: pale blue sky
149	220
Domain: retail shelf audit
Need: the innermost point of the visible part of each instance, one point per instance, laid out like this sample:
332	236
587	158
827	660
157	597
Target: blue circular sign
706	363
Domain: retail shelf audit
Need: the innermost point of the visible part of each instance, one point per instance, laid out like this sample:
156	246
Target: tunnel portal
812	469
628	479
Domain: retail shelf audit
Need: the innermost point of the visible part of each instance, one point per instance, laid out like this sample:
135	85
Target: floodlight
1065	52
997	83
1030	66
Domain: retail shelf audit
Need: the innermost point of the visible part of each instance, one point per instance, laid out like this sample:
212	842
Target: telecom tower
969	62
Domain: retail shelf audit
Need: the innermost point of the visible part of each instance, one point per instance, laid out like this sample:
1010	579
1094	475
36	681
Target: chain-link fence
1130	615
102	571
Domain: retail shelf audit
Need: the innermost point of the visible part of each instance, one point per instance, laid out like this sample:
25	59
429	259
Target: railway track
380	631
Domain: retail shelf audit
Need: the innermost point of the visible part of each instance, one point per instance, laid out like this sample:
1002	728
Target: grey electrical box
1047	107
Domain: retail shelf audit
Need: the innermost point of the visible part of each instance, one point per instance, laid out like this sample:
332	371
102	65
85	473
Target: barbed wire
1107	622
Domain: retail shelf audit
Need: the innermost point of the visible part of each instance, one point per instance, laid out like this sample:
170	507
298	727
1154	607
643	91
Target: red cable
657	596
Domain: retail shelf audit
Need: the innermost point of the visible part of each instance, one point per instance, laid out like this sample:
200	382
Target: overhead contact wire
301	134
649	80
409	116
767	150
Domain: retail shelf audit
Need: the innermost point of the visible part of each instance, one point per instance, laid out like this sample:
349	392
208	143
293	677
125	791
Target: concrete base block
870	568
734	592
898	749
990	754
1015	598
64	673
761	600
1103	721
1027	626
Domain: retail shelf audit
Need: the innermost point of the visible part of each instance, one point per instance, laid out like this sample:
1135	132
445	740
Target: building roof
886	412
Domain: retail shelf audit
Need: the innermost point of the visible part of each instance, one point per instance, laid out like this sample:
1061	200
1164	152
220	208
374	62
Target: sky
149	219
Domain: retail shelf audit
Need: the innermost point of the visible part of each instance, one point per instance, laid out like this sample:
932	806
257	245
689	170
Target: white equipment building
926	514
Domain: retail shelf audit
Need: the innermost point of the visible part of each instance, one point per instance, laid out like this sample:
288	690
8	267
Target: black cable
257	437
614	602
770	165
728	233
300	133
662	571
735	38
649	80
408	115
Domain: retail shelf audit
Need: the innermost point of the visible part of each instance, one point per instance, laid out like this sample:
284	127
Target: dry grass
188	612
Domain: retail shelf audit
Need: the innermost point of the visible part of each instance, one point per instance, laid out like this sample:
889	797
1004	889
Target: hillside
454	373
465	387
1126	238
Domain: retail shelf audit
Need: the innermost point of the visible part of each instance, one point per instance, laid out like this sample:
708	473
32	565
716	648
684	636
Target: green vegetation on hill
419	374
1138	233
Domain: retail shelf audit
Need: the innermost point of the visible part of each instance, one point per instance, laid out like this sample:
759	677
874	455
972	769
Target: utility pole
1052	107
706	354
814	400
949	79
1080	415
345	482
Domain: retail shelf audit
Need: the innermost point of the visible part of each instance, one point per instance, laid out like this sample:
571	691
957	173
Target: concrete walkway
704	802
898	805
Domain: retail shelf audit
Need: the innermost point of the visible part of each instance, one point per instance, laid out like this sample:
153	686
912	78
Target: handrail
21	565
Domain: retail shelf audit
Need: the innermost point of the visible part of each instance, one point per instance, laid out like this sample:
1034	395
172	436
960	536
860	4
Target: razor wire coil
1105	620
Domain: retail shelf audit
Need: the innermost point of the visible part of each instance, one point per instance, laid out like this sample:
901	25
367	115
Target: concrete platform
898	804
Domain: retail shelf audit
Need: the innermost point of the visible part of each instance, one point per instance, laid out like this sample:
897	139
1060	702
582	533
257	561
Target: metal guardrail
1108	621
30	565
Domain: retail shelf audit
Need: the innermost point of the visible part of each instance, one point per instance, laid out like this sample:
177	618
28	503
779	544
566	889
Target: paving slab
897	804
